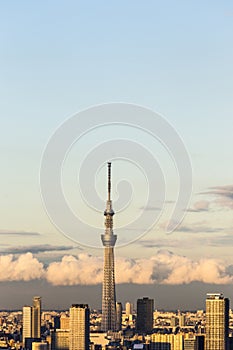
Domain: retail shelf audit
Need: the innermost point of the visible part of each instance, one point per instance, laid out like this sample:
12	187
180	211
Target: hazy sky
60	57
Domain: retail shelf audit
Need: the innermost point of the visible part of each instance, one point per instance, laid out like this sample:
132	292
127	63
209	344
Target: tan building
118	316
64	321
36	317
79	327
217	322
128	308
166	341
60	339
99	339
27	323
40	346
193	341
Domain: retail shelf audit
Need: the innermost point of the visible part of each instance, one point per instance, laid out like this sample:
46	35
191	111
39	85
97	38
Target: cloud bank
24	268
35	249
163	268
199	206
223	195
222	240
18	233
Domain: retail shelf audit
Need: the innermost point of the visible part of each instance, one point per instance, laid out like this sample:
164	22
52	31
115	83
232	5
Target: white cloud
134	271
24	268
223	195
163	268
84	269
182	270
199	206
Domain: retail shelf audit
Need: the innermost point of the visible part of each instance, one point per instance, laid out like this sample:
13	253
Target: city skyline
170	57
80	328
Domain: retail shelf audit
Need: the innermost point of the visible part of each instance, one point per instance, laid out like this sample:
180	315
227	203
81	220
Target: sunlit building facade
36	317
79	327
217	322
27	323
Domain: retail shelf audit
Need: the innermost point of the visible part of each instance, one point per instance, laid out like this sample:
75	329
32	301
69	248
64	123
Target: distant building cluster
79	328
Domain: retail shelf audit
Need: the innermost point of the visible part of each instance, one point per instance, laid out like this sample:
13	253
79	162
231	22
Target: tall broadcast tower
109	240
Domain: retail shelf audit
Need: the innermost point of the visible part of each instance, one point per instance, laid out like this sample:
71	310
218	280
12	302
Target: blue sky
175	57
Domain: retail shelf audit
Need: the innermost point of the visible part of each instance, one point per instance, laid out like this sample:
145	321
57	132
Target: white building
27	323
217	322
79	327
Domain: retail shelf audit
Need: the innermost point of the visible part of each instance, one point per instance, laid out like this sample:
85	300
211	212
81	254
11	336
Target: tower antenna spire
109	181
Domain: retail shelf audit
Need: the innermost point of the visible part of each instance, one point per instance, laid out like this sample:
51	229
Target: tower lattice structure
109	291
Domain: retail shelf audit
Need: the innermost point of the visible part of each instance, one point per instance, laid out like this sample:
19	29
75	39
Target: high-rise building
64	321
79	327
109	240
217	322
32	323
56	322
118	316
60	339
27	323
36	317
190	344
194	342
182	320
145	308
128	308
